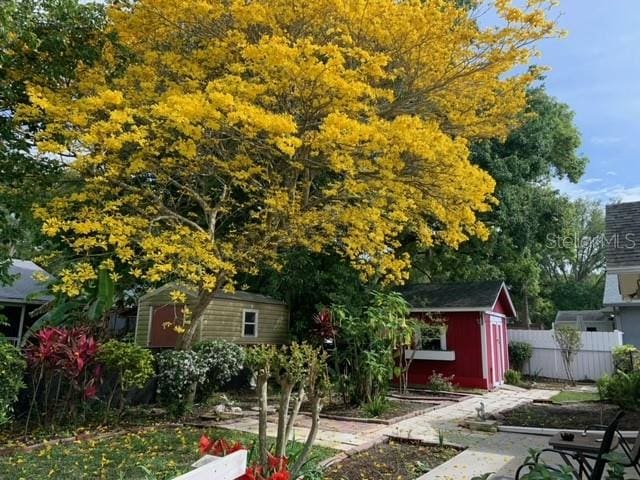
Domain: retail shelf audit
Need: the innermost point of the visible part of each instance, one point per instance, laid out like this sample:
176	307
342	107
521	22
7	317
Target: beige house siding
224	319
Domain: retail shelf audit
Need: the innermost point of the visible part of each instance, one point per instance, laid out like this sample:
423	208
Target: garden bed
430	395
397	411
567	416
395	459
162	452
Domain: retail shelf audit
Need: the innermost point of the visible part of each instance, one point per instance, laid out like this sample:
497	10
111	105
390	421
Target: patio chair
631	451
580	462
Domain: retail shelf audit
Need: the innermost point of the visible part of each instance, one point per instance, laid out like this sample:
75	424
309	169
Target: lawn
158	454
573	396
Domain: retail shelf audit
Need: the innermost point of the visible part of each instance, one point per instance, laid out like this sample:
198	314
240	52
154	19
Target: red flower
283	475
252	473
218	448
277	463
205	444
91	391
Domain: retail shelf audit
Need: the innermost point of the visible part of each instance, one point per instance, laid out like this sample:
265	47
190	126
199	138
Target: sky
596	70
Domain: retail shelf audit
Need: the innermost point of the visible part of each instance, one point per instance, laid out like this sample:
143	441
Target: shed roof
467	296
587	315
622	235
238	295
24	288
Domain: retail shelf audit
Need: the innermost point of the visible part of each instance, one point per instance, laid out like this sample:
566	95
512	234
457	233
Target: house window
432	339
249	323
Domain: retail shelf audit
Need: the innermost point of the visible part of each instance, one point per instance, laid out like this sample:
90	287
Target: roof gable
468	296
622	237
24	288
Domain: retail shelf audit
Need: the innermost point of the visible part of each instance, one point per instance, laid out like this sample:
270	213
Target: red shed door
496	350
161	333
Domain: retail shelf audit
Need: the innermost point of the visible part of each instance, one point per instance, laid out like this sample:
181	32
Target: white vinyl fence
592	362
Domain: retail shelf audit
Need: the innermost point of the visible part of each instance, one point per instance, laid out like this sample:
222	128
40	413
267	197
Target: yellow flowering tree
212	134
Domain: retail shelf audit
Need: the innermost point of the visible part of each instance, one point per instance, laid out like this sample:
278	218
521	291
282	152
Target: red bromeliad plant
276	468
62	360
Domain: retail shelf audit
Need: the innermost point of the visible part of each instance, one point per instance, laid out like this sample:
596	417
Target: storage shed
240	317
474	346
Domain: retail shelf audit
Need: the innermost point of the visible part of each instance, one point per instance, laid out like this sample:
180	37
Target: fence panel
593	360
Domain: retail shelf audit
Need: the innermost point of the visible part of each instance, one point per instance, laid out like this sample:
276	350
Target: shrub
222	361
569	341
132	365
178	372
622	389
512	377
519	354
626	358
439	383
12	367
377	406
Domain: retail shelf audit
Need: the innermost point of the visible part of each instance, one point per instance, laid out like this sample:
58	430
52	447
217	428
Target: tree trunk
294	414
283	412
197	315
261	388
316	407
527	318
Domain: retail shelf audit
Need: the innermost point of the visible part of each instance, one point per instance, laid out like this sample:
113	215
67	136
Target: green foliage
377	406
539	470
222	361
626	358
12	367
622	389
569	340
178	373
132	363
519	354
439	382
367	345
513	377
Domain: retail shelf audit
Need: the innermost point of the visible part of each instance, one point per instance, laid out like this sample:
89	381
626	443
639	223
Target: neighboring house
586	320
240	317
474	346
19	299
622	281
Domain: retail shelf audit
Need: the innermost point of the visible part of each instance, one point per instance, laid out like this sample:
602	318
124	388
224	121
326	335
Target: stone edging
548	432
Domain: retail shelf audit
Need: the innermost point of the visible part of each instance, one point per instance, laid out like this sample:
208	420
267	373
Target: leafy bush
439	383
626	358
377	406
519	354
622	389
569	340
512	377
178	372
132	365
222	361
12	367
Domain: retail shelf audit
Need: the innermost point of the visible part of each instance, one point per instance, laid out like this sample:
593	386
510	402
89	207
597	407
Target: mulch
397	408
569	416
391	461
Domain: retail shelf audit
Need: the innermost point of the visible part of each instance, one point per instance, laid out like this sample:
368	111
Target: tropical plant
519	354
179	372
438	382
272	134
513	377
222	360
377	406
569	340
132	366
63	366
626	358
12	368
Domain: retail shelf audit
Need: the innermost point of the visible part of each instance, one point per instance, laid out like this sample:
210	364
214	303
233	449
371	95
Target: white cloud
588	181
611	173
605	140
605	194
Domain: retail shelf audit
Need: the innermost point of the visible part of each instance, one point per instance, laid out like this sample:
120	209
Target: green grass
164	452
572	396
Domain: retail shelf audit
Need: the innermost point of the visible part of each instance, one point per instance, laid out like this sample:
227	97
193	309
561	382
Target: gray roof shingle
622	235
587	315
24	288
468	295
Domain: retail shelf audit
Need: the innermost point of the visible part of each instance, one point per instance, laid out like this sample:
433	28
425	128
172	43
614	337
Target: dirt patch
397	408
575	416
394	460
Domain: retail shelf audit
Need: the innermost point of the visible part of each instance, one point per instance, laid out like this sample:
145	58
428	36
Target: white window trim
250	310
